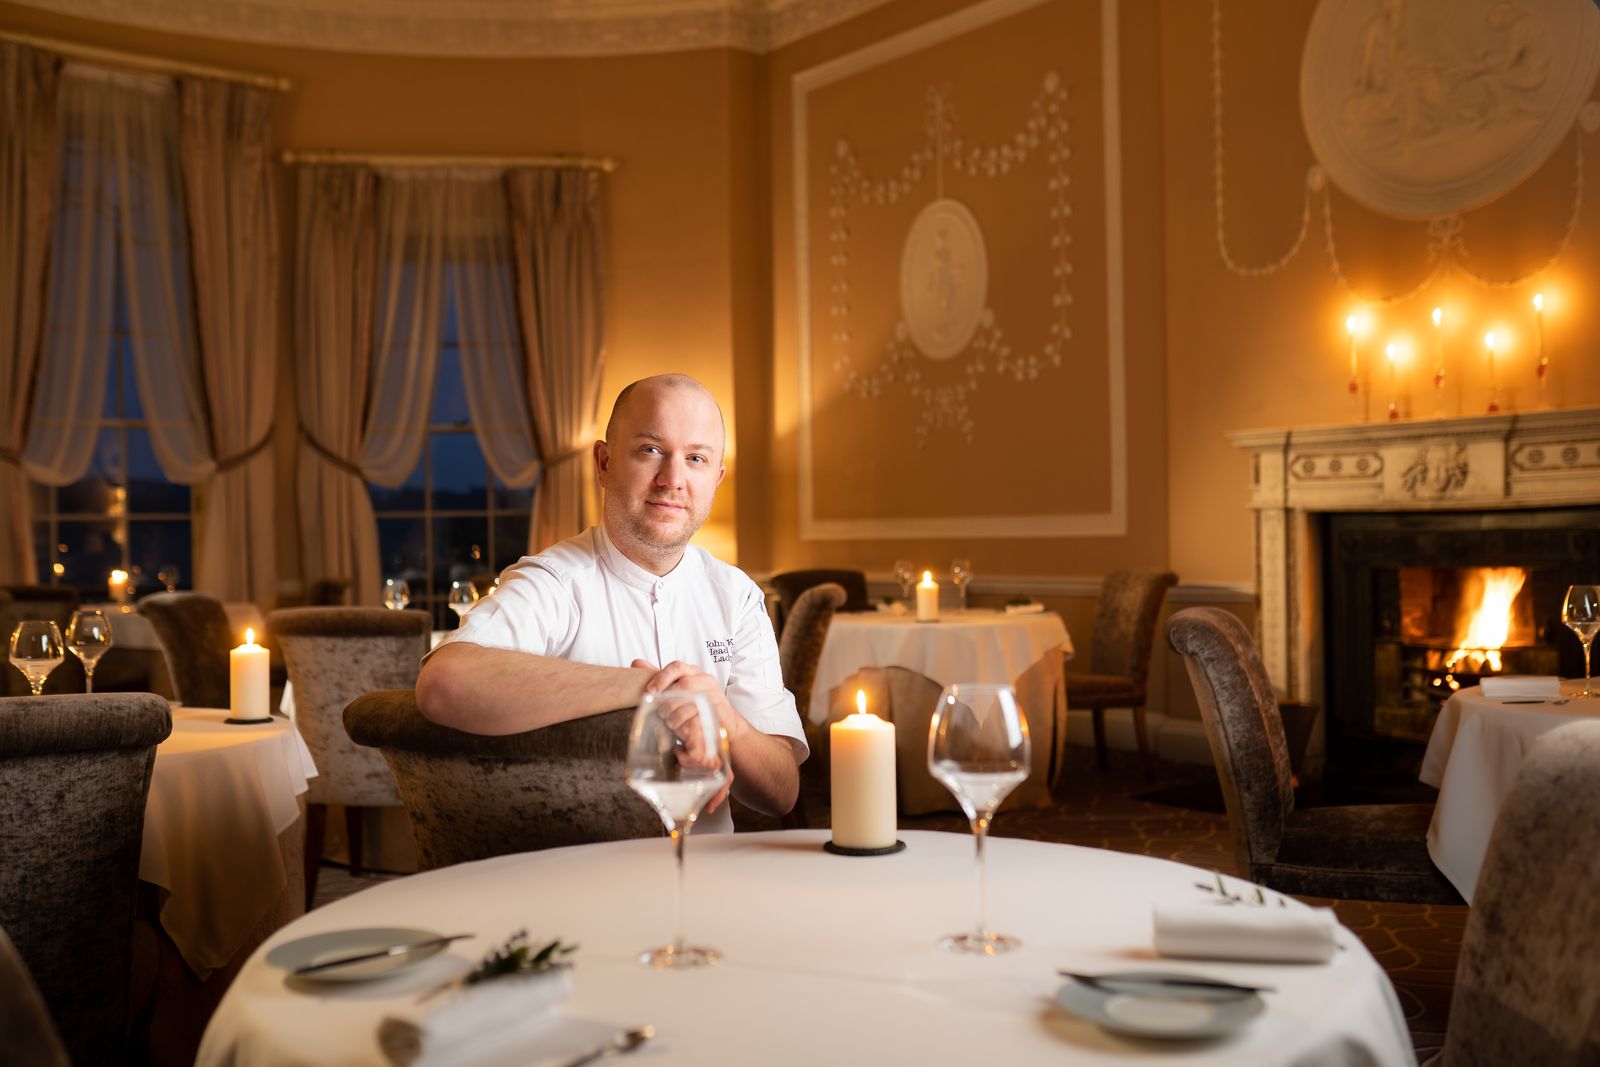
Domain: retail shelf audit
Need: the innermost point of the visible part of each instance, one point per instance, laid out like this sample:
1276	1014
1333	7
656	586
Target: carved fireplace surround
1476	463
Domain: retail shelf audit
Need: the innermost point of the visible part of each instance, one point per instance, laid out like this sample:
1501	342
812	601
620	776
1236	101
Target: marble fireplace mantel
1474	463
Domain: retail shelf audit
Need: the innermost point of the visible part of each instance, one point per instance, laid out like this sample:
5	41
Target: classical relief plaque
1423	110
944	278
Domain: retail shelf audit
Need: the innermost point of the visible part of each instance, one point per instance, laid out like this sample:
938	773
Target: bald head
648	388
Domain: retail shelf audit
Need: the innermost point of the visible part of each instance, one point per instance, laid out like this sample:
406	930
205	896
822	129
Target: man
591	624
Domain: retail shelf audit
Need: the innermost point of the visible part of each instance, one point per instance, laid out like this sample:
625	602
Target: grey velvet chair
1528	980
74	774
790	585
27	1035
195	639
1360	852
799	650
334	654
1124	631
471	797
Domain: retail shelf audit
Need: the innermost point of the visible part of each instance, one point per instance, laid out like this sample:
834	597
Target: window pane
460	473
460	549
403	553
408	496
510	540
155	543
88	552
95	493
449	390
41	557
148	488
514	500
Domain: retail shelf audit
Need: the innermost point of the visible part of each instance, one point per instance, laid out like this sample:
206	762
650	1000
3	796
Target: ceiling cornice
487	28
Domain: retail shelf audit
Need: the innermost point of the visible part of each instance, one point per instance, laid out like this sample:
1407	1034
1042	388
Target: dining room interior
1204	378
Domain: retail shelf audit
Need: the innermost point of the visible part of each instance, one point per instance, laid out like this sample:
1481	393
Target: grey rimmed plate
1137	1004
335	944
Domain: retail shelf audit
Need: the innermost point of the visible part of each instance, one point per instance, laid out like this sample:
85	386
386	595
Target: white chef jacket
584	600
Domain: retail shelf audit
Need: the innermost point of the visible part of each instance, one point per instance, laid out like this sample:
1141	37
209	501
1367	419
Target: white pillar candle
927	598
117	587
248	687
862	779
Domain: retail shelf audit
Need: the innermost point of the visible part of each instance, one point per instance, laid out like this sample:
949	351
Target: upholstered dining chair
790	584
327	592
1360	852
799	650
334	655
1527	984
74	774
1124	631
471	797
26	1033
195	640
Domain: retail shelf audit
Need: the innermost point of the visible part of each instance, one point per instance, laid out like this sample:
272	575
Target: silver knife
1165	981
378	954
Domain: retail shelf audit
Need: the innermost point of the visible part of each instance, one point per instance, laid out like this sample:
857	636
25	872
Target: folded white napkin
894	607
1024	609
459	1026
1245	932
1526	686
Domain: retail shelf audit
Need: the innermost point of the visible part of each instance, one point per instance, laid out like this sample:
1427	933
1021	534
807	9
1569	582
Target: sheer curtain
234	246
555	240
28	161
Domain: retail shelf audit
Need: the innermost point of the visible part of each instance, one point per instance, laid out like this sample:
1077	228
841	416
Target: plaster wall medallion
944	278
1422	110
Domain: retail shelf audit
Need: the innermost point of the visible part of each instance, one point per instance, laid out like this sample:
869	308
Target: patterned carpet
1121	809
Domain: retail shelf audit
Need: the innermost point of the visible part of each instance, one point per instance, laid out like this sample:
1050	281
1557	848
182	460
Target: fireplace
1369	536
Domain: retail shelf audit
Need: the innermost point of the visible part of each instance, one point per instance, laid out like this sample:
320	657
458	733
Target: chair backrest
790	584
1528	981
470	797
195	639
334	655
1125	622
1240	712
26	1033
74	774
803	635
327	592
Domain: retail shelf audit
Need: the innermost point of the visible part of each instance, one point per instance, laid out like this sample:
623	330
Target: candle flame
1488	341
927	577
861	701
249	635
1350	323
1538	301
119	576
1390	351
1438	315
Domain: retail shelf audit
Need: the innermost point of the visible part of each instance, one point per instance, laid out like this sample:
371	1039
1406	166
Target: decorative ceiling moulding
482	28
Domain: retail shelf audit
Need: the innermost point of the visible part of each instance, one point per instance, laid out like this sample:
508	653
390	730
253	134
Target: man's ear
722	472
602	459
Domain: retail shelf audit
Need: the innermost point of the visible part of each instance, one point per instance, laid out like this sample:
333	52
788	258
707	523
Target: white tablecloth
828	959
1473	755
219	797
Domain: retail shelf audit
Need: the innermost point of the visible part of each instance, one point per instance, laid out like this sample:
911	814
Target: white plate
306	951
1134	1004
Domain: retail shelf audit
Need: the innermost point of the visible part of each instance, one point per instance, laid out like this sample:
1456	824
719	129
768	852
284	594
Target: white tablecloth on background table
129	629
827	959
219	797
1473	755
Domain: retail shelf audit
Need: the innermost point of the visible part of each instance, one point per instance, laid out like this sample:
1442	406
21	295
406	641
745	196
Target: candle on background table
117	586
927	598
1494	392
862	779
248	688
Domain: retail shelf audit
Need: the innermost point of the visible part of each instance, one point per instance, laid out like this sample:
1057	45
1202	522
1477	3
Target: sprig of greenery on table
518	956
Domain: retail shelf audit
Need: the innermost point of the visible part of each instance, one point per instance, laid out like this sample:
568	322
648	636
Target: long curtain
28	169
233	235
555	241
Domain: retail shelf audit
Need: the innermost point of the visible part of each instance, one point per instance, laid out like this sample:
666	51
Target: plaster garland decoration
1509	82
944	265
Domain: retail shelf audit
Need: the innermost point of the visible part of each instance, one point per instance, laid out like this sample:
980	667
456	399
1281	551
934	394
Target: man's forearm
765	776
498	691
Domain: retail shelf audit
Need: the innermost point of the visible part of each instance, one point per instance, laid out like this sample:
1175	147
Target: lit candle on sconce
1391	352
1352	325
1438	362
1494	392
1543	368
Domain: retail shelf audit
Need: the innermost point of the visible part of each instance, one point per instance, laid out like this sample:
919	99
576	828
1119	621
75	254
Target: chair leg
316	830
1100	737
352	833
1143	739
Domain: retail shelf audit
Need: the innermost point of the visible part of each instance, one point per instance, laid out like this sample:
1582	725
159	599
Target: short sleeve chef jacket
584	600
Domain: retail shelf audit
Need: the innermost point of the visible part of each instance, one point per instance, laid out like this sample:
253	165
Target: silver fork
621	1041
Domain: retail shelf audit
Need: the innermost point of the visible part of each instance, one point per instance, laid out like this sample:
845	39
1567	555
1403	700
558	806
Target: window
450	520
124	513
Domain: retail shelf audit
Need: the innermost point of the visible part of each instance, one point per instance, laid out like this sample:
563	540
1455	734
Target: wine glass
36	651
978	748
89	636
167	575
462	596
961	574
396	594
678	761
906	574
1581	612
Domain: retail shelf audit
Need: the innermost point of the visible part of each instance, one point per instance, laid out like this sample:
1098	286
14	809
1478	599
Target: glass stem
88	679
677	891
1586	690
980	830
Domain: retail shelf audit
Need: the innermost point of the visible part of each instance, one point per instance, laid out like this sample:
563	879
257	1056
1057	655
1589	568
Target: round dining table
1473	755
826	959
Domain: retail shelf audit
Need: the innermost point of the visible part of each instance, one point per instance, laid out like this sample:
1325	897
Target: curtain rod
136	61
292	157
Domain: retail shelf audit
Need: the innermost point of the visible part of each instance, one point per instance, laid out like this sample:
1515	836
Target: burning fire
1488	626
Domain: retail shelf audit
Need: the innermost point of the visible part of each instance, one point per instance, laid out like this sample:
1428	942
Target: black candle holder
840	850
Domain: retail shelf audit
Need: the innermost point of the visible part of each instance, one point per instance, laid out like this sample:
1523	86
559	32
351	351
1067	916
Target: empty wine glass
1581	612
678	761
396	594
167	575
961	574
905	572
36	651
978	748
89	636
462	596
